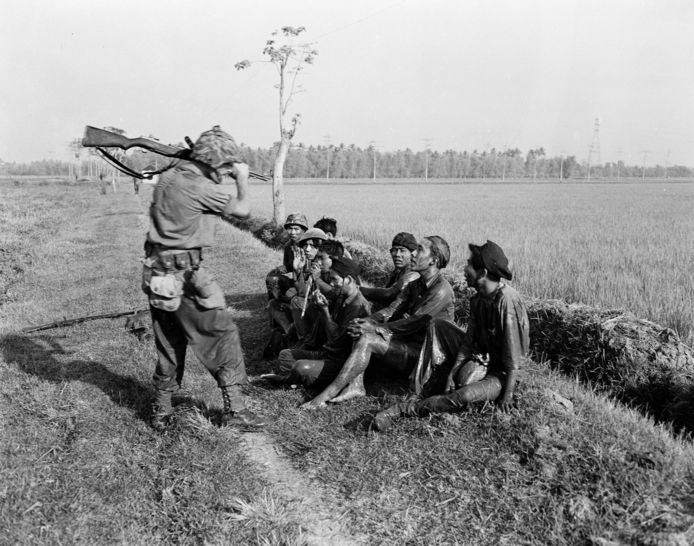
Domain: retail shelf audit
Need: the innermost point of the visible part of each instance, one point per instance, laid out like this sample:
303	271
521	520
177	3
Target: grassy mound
639	362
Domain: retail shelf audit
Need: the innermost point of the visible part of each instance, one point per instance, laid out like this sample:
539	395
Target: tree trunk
278	181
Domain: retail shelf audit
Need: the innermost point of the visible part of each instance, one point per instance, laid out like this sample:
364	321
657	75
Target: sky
447	74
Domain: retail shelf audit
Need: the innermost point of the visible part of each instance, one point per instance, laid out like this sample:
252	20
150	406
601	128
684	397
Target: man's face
422	258
294	231
401	256
472	275
324	261
310	249
340	285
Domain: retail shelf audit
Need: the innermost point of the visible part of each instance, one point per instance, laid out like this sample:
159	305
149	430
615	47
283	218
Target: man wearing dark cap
187	304
401	253
497	338
322	364
395	334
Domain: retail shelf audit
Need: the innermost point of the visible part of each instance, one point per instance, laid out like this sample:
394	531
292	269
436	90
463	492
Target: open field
80	464
608	245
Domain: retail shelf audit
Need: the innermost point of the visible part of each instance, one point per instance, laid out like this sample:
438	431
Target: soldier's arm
239	206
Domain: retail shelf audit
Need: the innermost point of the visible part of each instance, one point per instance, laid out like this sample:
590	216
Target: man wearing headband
404	244
321	365
395	334
495	343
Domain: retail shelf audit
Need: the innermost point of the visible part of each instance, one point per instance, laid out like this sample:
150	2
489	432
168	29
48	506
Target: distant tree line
350	161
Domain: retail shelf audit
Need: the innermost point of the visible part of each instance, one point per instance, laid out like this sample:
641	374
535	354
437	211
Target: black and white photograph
315	273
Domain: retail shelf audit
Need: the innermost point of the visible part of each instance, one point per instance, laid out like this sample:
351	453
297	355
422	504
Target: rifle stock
101	138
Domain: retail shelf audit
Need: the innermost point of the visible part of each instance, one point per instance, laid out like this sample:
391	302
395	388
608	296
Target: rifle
308	292
70	322
101	138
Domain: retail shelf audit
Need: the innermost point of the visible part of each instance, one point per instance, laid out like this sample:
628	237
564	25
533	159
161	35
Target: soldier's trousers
213	337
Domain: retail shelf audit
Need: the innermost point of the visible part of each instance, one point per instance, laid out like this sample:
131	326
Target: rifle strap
127	170
120	166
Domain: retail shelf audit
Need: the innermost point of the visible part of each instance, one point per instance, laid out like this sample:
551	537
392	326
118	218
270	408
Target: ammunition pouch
192	280
165	291
206	291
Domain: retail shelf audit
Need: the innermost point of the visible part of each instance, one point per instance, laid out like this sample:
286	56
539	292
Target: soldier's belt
169	259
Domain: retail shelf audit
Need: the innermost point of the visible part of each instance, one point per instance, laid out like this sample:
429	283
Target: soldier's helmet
296	219
216	148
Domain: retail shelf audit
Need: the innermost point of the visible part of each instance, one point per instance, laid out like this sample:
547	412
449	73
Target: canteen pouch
165	292
207	292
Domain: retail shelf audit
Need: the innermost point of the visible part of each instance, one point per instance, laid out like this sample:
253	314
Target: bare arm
239	206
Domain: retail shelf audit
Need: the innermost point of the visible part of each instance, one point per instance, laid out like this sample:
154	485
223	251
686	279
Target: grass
606	245
80	464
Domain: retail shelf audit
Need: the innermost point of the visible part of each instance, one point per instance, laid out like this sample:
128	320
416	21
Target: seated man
312	364
303	270
329	250
401	253
329	226
278	281
398	341
497	332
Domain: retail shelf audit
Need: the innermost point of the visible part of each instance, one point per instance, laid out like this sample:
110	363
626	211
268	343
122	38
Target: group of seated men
327	328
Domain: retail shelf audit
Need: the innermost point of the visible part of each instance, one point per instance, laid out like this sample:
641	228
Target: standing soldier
187	304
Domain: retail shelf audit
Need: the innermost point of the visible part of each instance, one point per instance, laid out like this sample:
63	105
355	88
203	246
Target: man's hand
315	272
299	260
320	299
506	403
239	207
359	327
450	384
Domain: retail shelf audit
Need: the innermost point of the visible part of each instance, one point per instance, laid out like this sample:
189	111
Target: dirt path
309	502
312	511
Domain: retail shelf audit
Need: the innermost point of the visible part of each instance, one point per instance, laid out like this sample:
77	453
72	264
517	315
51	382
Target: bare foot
312	405
349	392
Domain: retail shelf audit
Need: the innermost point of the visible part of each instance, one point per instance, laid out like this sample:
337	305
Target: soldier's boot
162	410
244	417
384	419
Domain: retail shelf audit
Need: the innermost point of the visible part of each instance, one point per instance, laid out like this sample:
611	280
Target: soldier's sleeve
213	198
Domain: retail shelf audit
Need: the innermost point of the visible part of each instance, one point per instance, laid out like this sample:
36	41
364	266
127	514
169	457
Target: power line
348	25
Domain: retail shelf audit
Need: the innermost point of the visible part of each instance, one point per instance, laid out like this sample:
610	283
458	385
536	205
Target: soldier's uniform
187	304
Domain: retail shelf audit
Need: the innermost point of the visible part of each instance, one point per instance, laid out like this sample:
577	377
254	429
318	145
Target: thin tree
289	59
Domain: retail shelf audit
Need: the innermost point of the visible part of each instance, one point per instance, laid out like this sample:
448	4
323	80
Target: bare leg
357	362
355	389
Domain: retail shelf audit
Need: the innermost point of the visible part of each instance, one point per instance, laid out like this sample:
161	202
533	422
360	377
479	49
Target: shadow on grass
251	317
44	357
